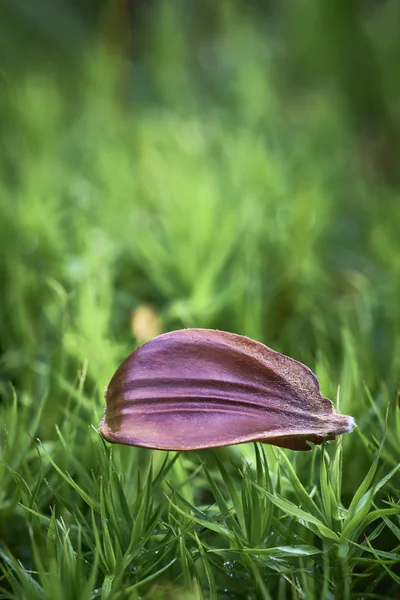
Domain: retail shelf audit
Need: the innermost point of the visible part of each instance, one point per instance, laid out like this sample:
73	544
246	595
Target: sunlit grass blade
303	497
302	516
353	522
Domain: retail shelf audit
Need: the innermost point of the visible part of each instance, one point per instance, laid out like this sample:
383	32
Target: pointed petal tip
339	424
351	424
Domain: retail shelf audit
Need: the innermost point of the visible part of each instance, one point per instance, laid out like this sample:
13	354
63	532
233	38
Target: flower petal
201	388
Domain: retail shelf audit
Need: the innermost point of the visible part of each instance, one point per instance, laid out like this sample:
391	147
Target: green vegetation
203	180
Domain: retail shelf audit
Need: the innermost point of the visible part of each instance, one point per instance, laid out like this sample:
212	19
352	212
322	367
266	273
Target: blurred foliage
230	165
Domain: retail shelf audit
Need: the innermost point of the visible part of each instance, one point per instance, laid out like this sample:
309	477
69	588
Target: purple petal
200	388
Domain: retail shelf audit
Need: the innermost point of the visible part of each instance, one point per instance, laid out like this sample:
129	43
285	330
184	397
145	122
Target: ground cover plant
229	176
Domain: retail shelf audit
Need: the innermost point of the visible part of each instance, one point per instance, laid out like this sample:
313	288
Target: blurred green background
230	164
235	165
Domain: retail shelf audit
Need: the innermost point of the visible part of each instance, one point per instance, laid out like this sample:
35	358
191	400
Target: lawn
229	176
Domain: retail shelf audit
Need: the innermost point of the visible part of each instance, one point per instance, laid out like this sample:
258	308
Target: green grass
223	201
